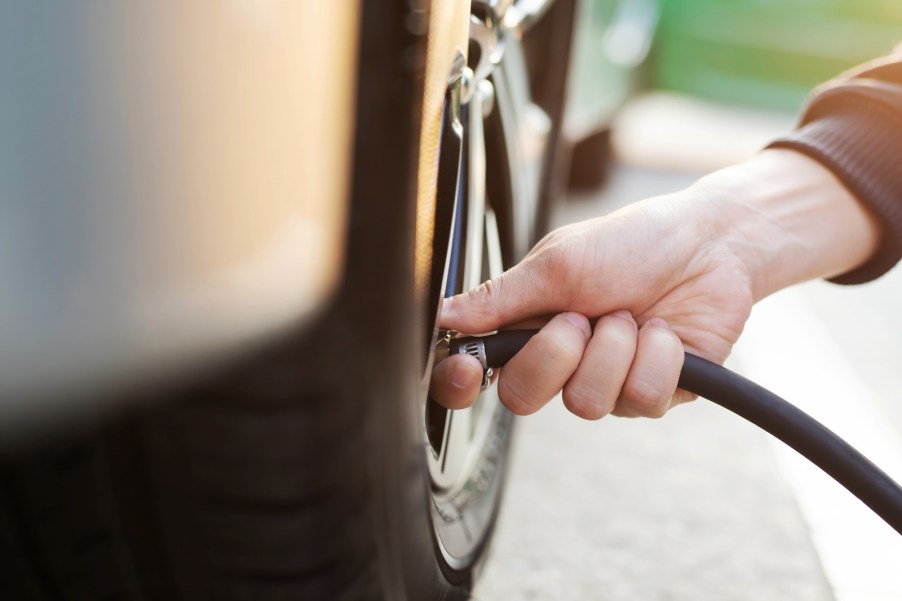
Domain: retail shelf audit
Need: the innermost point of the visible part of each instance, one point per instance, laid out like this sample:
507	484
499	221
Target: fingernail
579	321
657	322
462	376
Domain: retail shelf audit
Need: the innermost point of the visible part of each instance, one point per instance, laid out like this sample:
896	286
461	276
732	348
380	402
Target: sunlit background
700	505
767	53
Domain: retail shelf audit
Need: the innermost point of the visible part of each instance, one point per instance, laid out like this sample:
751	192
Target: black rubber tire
297	473
590	162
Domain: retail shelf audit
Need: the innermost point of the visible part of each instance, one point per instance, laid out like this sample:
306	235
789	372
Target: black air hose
756	404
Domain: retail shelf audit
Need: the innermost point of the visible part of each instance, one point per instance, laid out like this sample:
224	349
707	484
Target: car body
227	230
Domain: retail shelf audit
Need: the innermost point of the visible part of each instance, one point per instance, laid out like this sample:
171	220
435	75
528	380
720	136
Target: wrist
788	219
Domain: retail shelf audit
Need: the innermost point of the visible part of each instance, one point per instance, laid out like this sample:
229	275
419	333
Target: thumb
529	289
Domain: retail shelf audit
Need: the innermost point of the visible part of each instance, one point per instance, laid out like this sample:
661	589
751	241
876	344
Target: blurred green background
767	53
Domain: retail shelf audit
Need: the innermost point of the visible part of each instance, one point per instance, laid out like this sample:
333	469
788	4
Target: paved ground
701	506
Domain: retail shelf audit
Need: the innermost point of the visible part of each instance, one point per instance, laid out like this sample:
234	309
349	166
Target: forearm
788	219
852	125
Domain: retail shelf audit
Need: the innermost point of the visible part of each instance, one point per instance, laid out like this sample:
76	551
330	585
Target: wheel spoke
493	244
475	197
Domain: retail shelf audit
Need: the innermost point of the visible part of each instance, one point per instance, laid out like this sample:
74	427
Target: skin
622	296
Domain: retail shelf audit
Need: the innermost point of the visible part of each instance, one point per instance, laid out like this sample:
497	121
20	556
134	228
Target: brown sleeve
853	126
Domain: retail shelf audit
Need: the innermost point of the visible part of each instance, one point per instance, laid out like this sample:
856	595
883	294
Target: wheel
315	467
488	177
591	161
467	449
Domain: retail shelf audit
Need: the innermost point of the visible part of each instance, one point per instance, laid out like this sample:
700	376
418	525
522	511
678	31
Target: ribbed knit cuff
859	139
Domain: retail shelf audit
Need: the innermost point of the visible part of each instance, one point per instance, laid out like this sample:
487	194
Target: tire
590	162
298	472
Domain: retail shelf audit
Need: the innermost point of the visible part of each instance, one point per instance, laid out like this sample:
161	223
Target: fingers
594	389
626	370
455	381
620	369
654	373
529	289
542	368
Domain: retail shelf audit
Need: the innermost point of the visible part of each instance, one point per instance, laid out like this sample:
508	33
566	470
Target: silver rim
466	430
465	449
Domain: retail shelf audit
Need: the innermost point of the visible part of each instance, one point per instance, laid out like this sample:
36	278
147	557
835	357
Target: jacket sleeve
853	126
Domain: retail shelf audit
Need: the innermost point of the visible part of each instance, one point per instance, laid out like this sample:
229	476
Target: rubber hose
800	431
766	410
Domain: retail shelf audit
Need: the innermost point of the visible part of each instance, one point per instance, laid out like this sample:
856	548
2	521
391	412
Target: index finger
529	289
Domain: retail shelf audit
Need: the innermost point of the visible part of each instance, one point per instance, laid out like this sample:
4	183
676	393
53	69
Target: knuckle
483	293
583	403
513	397
548	239
484	298
555	236
681	397
646	398
563	346
548	263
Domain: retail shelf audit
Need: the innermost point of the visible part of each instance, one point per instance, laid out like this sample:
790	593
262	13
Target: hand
667	274
654	283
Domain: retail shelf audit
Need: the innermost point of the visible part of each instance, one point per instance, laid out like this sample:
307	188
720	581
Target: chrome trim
476	203
493	243
485	31
492	24
476	349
